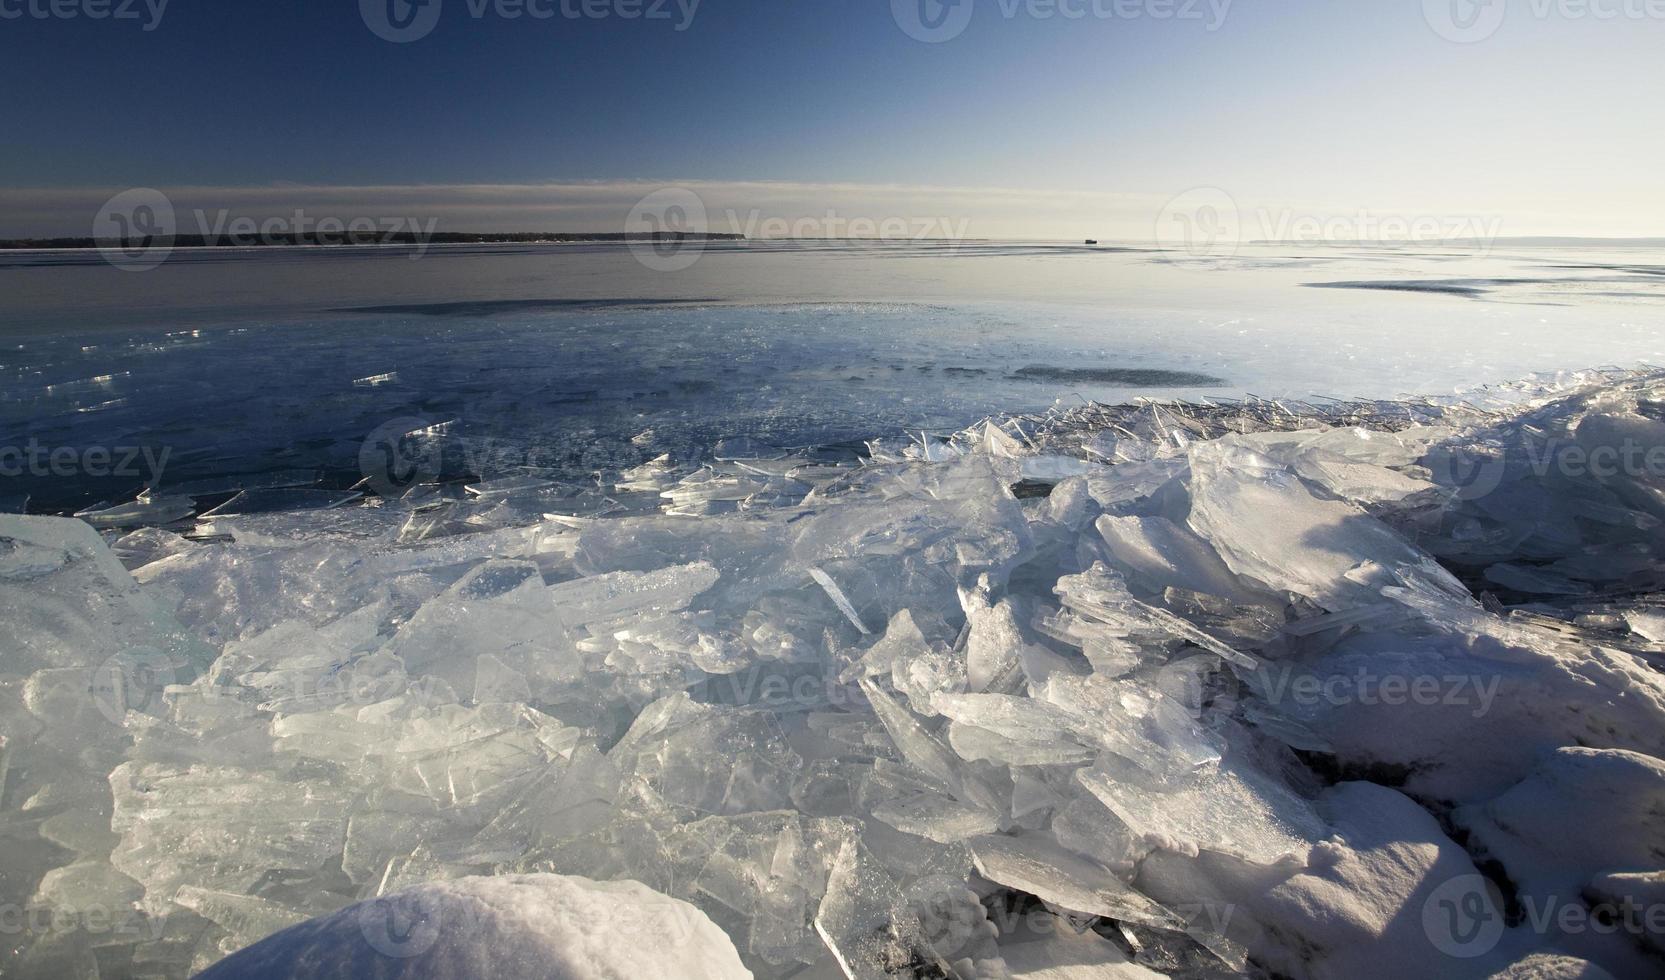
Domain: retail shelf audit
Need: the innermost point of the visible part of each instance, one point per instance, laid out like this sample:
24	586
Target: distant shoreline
348	239
369	239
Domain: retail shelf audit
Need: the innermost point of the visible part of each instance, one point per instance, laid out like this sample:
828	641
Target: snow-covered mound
508	926
1333	691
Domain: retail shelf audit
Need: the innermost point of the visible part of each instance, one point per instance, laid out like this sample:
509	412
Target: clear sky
1026	122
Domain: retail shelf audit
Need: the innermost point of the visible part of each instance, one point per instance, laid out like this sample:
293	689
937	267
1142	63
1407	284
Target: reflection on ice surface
1196	690
245	368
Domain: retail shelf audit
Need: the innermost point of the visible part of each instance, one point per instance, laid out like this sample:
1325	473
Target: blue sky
1552	124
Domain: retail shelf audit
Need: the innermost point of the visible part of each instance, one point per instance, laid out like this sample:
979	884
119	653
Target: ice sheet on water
505	486
282	500
844	707
146	510
232	483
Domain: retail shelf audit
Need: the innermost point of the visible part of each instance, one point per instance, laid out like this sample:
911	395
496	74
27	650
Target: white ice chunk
616	595
1268	525
1158	554
1229	808
1102	594
994	642
937	817
865	923
1037	865
500	609
839	599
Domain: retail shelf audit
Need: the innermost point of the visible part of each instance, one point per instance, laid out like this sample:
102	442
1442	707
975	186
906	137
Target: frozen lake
576	358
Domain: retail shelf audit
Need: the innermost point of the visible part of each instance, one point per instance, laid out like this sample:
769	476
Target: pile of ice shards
1326	691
